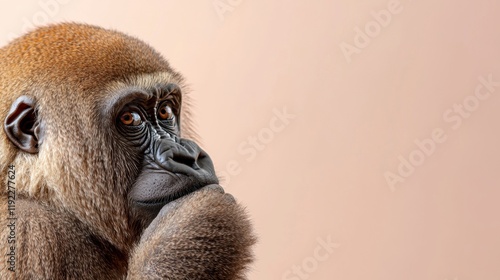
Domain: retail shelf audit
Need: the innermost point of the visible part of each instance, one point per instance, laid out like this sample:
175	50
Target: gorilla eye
131	119
165	112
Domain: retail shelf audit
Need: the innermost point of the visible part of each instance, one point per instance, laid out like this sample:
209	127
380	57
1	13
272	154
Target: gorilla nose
184	157
186	153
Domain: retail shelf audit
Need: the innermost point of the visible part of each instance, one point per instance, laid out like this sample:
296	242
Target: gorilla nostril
186	159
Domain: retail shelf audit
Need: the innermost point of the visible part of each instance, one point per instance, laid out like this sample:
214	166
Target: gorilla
102	176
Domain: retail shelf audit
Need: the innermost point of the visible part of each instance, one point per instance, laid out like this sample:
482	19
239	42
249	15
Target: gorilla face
147	124
171	167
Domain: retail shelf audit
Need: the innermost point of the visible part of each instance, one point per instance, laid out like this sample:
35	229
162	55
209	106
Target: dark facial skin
171	166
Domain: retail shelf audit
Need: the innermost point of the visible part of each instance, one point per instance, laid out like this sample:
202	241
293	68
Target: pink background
359	104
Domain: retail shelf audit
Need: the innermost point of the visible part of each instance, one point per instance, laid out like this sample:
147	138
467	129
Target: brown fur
72	208
187	232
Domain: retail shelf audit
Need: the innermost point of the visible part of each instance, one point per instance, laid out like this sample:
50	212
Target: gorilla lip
155	187
162	200
172	193
152	206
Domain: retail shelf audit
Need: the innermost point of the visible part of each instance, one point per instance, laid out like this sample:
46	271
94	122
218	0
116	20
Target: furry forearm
205	235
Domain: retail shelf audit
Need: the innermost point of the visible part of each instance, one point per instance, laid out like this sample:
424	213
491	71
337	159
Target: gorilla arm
204	235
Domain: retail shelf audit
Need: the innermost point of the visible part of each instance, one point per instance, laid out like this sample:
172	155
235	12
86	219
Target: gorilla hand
204	235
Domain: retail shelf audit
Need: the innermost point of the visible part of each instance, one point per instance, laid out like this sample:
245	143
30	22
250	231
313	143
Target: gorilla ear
21	125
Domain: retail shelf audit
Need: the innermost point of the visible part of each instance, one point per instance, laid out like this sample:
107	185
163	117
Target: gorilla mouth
153	190
173	194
